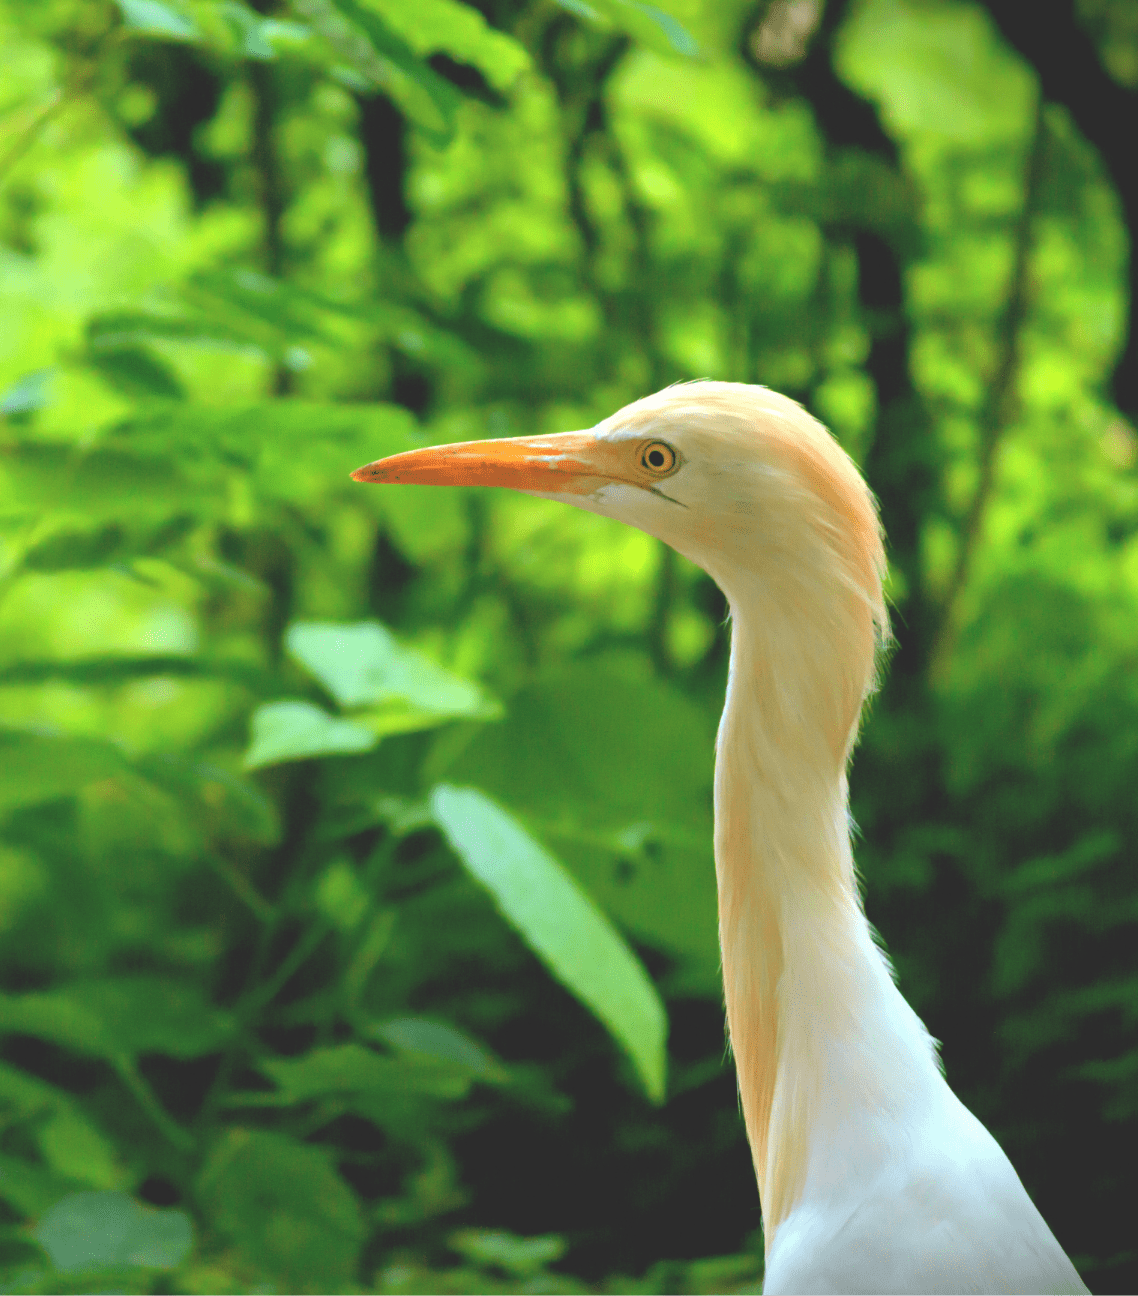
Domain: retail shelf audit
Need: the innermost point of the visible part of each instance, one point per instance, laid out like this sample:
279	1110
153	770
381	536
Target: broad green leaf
649	25
40	767
169	19
353	1069
560	923
363	663
291	731
616	768
284	1209
94	1229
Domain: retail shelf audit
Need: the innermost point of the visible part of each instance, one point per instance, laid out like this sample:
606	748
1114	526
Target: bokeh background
356	895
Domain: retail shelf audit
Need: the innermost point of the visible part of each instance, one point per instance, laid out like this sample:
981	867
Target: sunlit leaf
365	664
291	731
169	19
28	394
560	923
457	29
388	62
92	1229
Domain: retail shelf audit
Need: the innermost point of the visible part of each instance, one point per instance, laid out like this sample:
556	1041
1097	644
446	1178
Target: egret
872	1175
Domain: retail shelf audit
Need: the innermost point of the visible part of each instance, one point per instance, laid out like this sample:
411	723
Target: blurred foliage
355	871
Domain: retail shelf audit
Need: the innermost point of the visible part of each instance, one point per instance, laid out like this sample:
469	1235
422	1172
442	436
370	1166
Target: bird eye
658	457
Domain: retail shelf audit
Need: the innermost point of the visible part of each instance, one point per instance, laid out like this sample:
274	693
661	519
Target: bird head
745	483
738	478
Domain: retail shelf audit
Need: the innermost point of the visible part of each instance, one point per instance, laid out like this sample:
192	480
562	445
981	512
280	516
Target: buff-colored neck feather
817	1026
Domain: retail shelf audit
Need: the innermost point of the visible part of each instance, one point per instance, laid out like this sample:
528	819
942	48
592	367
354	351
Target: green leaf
363	663
113	331
153	1014
341	897
560	923
25	1095
28	394
290	731
419	1035
154	19
644	22
521	1256
75	1149
293	449
292	313
370	949
450	27
122	669
90	1229
118	1018
223	804
138	374
389	63
42	767
616	769
284	1209
30	1189
353	1069
90	483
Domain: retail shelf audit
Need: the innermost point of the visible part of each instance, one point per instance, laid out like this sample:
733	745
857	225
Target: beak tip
363	474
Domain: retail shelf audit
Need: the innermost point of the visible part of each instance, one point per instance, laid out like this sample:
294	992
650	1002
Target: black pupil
656	458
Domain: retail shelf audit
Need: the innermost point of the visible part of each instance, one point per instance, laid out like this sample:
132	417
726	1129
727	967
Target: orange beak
574	463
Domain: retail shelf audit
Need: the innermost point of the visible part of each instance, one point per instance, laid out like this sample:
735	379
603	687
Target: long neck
824	1044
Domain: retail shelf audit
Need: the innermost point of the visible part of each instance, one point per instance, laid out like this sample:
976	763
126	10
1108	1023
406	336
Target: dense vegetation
356	894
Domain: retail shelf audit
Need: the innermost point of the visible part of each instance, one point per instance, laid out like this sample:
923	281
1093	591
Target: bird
872	1175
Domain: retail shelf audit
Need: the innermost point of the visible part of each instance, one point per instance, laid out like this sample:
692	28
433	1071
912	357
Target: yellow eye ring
659	458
